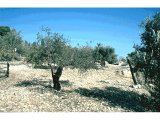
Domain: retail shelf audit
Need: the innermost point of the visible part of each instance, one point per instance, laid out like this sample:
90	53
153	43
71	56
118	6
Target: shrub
83	58
105	53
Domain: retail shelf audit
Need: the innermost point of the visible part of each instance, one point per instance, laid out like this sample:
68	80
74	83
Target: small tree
83	58
49	48
105	53
11	43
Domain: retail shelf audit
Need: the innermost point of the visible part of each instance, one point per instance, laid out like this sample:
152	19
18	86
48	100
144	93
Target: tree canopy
52	47
146	56
11	43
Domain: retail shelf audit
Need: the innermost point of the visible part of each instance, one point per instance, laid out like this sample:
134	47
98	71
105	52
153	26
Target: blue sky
116	27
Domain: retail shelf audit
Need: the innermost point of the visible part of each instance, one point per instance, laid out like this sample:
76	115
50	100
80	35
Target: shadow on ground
41	86
115	83
128	100
2	75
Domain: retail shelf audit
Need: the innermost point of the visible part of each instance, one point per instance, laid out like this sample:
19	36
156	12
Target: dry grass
30	90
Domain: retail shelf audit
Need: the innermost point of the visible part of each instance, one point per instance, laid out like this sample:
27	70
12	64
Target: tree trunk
56	77
132	72
7	72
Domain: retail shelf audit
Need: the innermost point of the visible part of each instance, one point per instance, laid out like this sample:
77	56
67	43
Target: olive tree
146	57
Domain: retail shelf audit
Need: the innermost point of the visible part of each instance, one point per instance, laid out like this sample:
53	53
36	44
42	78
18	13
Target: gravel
30	90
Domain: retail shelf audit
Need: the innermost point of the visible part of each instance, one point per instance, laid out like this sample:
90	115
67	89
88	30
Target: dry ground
30	90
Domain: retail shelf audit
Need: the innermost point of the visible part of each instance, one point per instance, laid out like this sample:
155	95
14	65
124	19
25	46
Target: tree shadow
108	82
65	83
3	71
3	77
27	83
2	74
128	100
42	67
40	85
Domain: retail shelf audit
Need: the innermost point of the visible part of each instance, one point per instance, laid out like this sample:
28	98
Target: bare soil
104	90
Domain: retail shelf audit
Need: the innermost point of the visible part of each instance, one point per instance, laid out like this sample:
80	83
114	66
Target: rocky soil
105	90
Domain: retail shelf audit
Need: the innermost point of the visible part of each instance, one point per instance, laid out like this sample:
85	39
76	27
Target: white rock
152	86
137	86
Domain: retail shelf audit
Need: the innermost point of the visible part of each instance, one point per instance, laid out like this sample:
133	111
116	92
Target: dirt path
30	90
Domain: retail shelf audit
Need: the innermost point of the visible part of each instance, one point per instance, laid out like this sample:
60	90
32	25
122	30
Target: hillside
104	90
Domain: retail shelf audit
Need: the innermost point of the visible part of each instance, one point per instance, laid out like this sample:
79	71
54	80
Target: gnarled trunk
56	76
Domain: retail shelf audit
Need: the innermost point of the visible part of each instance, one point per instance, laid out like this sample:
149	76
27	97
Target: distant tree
11	44
122	59
83	58
105	53
3	44
96	54
68	55
4	30
54	48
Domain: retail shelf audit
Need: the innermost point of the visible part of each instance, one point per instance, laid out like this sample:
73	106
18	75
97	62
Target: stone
138	86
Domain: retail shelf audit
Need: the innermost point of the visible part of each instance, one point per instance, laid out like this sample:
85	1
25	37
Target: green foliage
11	44
147	56
105	53
49	48
83	58
122	59
68	55
4	30
53	48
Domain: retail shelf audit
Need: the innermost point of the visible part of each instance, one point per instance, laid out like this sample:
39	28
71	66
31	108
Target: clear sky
116	27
